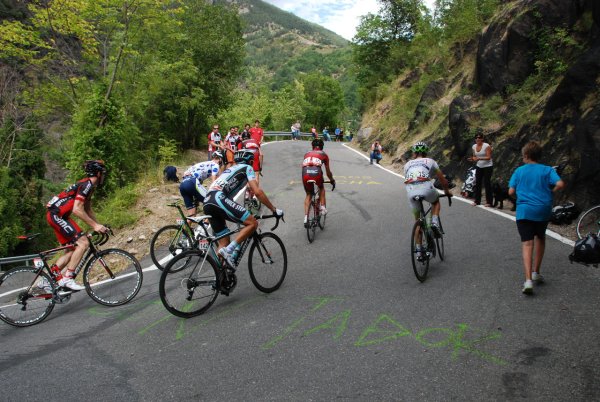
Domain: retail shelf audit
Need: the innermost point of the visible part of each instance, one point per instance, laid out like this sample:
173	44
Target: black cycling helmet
93	167
317	143
420	148
244	156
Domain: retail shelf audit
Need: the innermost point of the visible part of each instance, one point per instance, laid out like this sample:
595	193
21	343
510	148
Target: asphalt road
351	322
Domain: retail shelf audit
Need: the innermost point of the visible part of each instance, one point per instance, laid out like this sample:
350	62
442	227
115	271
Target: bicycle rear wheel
113	277
189	284
320	218
420	263
439	241
312	221
267	262
169	241
589	222
22	302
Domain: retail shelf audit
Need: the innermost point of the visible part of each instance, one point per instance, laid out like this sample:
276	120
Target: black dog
500	192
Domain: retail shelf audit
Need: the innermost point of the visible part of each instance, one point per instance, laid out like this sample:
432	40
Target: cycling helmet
420	148
93	167
218	155
318	143
244	156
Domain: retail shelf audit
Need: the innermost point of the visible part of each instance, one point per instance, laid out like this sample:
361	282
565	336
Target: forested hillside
136	82
512	70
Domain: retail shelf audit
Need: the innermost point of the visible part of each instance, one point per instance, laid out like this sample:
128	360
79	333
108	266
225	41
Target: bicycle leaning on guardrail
191	282
112	277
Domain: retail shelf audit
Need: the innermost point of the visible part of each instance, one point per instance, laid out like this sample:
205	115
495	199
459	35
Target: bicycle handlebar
332	184
278	217
449	198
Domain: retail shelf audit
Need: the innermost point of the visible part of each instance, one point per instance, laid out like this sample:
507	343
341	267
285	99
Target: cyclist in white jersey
191	188
418	173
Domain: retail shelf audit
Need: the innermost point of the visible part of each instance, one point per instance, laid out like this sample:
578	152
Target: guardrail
16	259
288	134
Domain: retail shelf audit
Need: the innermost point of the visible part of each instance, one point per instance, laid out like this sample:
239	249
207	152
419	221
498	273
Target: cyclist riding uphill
418	173
76	199
312	170
219	203
191	188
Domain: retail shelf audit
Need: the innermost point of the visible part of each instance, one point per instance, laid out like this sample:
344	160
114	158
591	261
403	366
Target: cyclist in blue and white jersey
418	173
219	203
191	188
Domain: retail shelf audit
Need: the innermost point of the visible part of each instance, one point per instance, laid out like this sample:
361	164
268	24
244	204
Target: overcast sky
339	16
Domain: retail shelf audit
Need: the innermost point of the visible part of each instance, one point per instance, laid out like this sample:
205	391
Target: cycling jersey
201	171
233	179
420	169
214	137
233	140
254	145
312	169
219	203
61	206
418	174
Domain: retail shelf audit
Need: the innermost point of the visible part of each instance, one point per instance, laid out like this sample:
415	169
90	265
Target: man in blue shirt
534	185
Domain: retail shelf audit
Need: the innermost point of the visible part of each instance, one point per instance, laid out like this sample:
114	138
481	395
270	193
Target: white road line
549	232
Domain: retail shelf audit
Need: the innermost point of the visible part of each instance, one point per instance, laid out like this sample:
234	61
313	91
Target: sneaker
306	221
323	210
70	283
528	287
44	285
538	278
227	256
419	253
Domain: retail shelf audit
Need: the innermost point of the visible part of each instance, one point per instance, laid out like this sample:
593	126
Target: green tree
323	98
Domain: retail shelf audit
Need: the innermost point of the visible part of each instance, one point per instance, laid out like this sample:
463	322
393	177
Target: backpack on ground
586	251
170	173
564	214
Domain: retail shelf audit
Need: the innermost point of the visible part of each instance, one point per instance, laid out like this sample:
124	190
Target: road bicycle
589	222
28	294
314	212
426	240
192	280
172	240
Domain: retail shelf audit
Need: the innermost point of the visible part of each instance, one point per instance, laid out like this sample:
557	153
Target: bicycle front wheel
312	221
168	242
589	222
189	284
267	262
420	261
112	277
22	301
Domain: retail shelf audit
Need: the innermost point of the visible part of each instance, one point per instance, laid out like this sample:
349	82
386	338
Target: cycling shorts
424	189
191	196
66	230
529	229
312	173
221	208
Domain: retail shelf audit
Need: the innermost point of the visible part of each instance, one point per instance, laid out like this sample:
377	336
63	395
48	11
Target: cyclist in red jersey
312	170
254	145
256	132
76	200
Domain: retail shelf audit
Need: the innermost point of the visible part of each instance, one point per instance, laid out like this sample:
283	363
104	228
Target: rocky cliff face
566	119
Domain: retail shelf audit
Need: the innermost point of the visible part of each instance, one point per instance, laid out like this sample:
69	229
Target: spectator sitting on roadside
376	152
326	136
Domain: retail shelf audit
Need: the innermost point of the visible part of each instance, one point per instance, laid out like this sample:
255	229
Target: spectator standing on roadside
482	155
534	185
313	132
257	132
376	152
338	134
214	141
296	131
246	133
